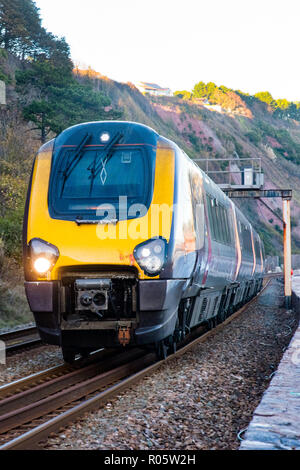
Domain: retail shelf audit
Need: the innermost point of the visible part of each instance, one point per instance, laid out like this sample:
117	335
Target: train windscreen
83	184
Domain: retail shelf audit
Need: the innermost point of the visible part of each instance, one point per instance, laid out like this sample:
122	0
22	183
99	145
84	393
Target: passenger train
127	241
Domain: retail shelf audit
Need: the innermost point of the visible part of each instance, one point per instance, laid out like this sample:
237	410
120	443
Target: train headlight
43	255
151	255
42	265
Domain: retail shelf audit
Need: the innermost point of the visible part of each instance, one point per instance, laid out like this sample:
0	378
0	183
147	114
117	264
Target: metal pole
287	253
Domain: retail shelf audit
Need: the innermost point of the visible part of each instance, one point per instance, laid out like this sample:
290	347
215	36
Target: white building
212	107
153	89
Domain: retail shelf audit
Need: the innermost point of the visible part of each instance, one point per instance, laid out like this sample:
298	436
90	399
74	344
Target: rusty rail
16	340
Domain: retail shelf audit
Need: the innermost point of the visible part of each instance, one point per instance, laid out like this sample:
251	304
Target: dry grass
14	309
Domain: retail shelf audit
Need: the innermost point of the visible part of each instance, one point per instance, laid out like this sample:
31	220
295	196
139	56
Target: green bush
254	137
1	252
13	305
11	232
5	78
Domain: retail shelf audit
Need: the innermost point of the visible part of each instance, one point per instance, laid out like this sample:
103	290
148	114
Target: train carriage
127	242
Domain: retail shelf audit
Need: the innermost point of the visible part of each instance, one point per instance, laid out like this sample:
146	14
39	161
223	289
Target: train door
196	183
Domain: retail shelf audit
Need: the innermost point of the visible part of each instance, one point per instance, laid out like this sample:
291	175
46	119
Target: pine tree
60	100
12	25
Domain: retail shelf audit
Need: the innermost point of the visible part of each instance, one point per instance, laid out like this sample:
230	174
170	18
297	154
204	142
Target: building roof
151	85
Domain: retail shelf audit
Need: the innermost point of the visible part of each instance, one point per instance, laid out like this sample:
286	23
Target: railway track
33	408
17	340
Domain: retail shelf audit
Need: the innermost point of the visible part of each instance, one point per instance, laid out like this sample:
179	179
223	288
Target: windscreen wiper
107	153
78	154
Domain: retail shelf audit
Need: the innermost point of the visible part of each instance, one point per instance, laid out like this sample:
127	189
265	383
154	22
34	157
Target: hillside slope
244	132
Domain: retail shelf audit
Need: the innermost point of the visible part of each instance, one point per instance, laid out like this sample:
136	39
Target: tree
266	97
210	87
21	32
62	104
51	98
282	104
11	23
184	94
31	27
42	114
19	25
200	90
41	75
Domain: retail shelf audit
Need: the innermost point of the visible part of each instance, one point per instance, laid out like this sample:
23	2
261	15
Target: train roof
134	133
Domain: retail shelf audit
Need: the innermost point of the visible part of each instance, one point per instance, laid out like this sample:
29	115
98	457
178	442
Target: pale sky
251	45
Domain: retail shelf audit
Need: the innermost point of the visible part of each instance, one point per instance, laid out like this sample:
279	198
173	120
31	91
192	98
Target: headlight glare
42	265
145	252
151	255
43	255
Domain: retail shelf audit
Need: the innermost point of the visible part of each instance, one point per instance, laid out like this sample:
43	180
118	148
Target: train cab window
81	189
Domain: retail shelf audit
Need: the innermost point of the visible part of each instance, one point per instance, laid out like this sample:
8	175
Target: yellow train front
97	225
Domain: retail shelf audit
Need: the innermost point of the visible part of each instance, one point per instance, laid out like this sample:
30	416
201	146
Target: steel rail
32	438
30	343
45	376
16	340
18	333
47	397
31	380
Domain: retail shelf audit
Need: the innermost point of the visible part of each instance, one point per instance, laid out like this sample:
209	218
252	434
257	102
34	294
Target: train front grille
98	296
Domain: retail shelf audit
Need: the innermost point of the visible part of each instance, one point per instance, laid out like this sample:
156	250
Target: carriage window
246	237
257	252
217	215
228	227
216	231
222	224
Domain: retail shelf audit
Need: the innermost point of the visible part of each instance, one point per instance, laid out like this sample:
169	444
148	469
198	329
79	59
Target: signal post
287	251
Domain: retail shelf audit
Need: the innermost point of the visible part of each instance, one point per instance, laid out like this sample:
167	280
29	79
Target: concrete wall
2	92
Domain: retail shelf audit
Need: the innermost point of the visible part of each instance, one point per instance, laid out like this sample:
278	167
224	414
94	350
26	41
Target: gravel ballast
202	400
29	361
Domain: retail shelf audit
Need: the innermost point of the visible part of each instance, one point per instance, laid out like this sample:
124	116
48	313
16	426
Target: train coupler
124	334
